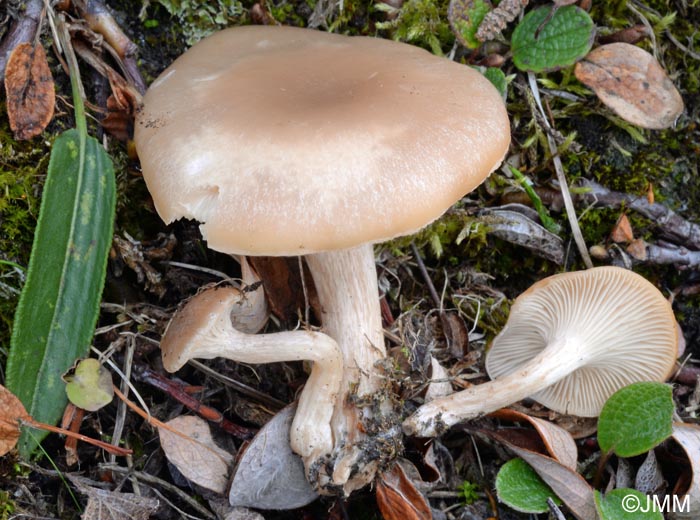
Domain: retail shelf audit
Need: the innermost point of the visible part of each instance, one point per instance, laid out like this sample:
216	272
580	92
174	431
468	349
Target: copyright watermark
668	504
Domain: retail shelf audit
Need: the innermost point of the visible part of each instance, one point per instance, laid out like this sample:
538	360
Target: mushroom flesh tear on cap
570	342
286	141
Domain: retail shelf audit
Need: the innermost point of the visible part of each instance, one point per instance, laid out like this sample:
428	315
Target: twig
425	275
193	267
150	479
179	392
554	509
682	47
23	30
650	29
32	423
124	386
244	389
657	254
673	226
100	20
561	177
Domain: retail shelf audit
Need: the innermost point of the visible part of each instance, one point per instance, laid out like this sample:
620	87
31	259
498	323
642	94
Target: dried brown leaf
559	442
638	249
195	453
398	498
456	334
568	485
11	410
688	436
631	35
632	83
121	107
30	91
104	504
283	286
622	231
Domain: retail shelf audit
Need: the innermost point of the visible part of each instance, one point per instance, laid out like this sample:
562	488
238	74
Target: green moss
22	167
7	505
422	23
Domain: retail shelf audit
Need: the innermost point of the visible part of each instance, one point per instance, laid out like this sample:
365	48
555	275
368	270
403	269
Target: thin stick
268	400
426	276
157	423
150	479
115	450
561	177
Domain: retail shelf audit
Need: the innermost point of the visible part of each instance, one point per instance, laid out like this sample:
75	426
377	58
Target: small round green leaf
635	419
89	386
519	487
546	40
626	504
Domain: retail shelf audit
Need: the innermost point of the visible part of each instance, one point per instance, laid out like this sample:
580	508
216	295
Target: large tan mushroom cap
620	322
285	141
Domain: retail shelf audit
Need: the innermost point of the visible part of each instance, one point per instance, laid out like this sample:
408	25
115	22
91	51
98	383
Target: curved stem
556	361
311	434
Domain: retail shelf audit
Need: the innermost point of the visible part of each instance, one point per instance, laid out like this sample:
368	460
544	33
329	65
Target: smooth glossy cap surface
623	324
286	141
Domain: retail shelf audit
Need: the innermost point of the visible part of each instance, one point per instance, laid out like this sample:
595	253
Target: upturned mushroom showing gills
570	342
285	141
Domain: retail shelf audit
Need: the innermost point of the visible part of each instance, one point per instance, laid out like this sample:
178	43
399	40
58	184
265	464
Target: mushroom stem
346	283
557	360
311	435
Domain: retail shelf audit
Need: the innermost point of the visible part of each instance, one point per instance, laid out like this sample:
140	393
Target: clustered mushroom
570	342
285	141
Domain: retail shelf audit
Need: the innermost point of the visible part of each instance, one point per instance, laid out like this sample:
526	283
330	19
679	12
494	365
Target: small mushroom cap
626	327
286	141
189	331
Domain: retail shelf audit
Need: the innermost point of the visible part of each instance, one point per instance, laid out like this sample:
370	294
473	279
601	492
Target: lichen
198	19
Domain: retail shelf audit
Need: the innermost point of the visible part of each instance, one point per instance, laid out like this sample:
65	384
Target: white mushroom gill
571	341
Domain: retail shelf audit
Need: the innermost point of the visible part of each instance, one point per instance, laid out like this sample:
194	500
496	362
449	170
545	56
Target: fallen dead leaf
398	498
11	410
104	504
30	91
283	286
456	333
649	479
631	82
559	442
638	249
568	485
439	385
622	231
195	454
269	475
688	436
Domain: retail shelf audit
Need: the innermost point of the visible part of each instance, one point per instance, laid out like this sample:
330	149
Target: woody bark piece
101	21
23	30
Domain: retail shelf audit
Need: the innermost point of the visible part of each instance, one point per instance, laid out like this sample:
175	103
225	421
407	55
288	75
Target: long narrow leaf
59	304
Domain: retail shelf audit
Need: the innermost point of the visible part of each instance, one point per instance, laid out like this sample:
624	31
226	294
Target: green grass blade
59	304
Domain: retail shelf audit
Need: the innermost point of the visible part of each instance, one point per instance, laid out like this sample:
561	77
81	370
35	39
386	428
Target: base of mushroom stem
352	467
